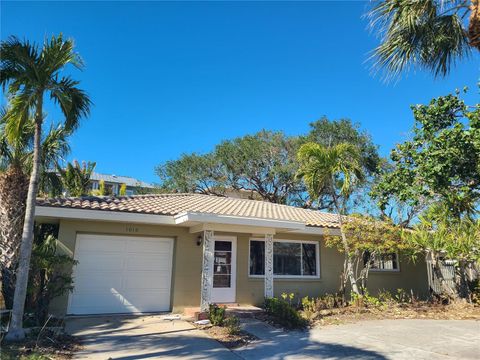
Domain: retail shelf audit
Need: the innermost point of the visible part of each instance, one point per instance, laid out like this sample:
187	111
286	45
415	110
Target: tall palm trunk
13	195
348	260
474	25
16	331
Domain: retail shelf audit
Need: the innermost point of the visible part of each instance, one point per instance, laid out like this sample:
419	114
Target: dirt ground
230	341
49	346
405	311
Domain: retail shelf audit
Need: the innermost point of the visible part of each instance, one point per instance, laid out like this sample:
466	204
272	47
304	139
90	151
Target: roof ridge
258	201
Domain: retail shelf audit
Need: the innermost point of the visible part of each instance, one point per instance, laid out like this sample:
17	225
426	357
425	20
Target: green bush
309	308
284	313
216	314
232	323
365	300
328	301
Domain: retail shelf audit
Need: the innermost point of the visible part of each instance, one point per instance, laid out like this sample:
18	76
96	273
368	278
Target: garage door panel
111	300
148	262
148	246
100	262
121	274
103	283
147	281
100	244
152	301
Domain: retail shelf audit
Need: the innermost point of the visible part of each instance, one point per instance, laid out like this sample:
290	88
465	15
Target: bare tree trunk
16	332
348	259
474	24
13	195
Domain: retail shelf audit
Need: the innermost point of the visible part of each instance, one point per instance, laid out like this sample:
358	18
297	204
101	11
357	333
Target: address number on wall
131	229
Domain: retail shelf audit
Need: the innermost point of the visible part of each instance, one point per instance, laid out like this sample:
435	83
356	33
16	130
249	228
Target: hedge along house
168	252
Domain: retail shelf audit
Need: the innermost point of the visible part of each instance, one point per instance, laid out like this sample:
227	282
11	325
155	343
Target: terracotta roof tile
173	204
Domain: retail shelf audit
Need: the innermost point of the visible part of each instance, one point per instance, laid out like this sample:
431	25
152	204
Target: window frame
317	255
387	270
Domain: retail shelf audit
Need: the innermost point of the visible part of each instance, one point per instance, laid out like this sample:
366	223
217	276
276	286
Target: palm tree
30	75
15	165
336	170
429	34
76	178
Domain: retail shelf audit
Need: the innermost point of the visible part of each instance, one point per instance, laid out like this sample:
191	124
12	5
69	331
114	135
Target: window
290	258
222	264
384	262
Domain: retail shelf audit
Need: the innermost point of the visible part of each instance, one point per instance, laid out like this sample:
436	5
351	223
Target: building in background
113	184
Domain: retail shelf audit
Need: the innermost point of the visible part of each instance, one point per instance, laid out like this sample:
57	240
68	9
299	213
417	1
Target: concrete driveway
143	337
383	339
151	337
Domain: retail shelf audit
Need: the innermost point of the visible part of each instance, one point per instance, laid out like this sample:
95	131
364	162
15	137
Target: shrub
309	308
365	300
216	314
401	296
284	313
328	301
48	277
232	323
475	292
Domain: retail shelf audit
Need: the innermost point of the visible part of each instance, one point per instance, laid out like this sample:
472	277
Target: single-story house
168	252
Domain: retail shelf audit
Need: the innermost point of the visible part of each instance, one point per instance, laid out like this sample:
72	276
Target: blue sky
174	77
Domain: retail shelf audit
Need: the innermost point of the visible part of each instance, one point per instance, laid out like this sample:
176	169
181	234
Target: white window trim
317	254
387	270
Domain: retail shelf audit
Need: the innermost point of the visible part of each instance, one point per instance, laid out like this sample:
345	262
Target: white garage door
121	274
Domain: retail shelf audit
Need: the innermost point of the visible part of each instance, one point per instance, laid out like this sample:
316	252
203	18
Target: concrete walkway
383	339
143	337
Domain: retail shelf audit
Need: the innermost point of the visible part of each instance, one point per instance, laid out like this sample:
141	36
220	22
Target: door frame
233	279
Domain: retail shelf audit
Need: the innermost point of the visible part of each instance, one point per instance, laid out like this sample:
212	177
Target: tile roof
173	204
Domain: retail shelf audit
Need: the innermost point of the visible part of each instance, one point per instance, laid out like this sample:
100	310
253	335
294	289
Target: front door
224	270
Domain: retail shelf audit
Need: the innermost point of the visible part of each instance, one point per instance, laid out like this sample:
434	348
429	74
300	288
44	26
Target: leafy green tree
441	163
428	34
123	190
333	132
337	170
368	239
29	76
264	164
193	173
76	178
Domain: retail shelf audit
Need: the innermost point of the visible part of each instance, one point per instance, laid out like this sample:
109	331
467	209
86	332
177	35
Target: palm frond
57	53
427	34
18	113
73	101
17	66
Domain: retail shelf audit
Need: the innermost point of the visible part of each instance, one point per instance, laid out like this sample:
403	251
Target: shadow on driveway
143	337
278	344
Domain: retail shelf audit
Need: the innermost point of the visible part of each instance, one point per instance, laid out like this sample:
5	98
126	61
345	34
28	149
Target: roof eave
194	218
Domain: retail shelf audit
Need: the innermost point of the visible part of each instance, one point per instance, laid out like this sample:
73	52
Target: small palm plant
334	170
76	178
